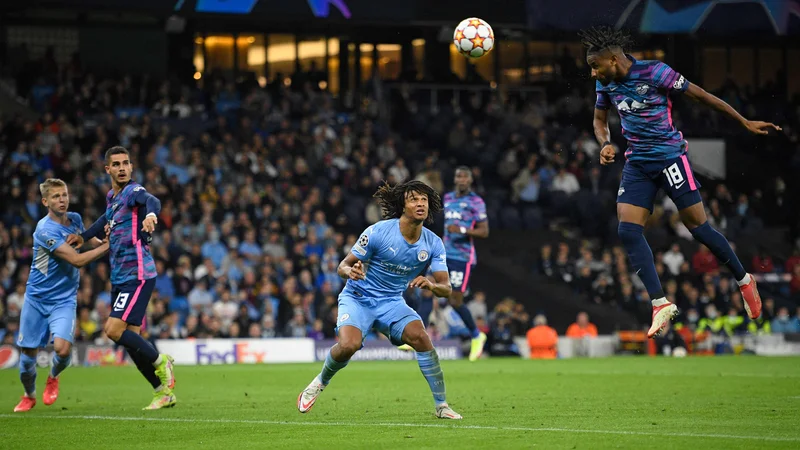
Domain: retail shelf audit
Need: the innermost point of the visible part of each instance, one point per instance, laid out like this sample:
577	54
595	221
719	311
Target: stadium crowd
265	189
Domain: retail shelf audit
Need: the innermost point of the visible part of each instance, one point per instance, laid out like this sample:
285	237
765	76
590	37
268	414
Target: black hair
116	150
597	39
392	199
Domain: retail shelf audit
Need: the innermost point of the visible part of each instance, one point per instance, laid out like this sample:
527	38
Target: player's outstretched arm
603	136
98	228
68	254
700	95
351	268
152	206
440	286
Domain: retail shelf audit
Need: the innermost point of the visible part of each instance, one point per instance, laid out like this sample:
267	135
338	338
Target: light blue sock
330	368
27	374
432	371
59	364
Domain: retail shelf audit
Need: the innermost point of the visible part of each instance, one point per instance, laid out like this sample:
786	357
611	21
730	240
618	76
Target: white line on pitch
402	425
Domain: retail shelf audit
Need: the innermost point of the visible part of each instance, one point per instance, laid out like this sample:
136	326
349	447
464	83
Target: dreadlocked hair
392	199
597	39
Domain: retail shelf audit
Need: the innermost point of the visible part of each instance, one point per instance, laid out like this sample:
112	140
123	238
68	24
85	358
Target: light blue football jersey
52	279
391	262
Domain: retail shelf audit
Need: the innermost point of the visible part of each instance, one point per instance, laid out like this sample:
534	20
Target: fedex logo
229	353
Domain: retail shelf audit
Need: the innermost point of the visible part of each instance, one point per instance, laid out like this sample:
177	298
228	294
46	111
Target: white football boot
307	398
445	412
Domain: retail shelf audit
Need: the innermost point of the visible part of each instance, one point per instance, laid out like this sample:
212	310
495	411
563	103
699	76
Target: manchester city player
51	295
656	158
390	256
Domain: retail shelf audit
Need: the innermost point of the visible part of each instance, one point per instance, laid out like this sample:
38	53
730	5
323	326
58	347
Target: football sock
425	309
135	343
145	367
330	367
744	281
27	374
720	247
59	364
641	257
466	316
432	371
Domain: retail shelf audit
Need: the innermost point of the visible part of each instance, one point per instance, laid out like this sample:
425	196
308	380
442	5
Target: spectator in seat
794	283
542	339
673	259
582	328
565	182
704	261
784	323
762	263
668	340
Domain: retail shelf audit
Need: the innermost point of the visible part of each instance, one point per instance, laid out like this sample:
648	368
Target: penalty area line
403	425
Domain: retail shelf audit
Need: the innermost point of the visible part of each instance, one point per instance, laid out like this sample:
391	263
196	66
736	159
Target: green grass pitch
623	402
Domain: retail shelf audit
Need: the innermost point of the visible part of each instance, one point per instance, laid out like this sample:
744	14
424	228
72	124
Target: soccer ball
473	37
679	352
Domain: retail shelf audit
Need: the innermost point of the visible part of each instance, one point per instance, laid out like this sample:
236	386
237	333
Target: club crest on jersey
422	255
642	89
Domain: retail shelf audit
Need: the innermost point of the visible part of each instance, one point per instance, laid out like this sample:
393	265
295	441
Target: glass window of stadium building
343	62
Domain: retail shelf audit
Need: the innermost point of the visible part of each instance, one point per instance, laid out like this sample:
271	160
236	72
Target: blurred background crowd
264	189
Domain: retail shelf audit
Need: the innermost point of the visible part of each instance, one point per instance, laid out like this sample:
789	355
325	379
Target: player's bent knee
63	348
348	347
456	299
419	341
114	329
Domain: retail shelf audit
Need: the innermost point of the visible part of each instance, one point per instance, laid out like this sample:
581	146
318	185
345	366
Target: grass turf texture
625	402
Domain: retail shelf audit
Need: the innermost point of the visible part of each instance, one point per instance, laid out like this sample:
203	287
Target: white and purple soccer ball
473	37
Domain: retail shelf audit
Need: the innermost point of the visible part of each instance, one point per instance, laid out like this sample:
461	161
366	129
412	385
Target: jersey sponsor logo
642	89
422	255
397	269
452	215
631	105
678	83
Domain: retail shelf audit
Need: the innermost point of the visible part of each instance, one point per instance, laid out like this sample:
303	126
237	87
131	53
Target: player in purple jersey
656	159
131	215
464	220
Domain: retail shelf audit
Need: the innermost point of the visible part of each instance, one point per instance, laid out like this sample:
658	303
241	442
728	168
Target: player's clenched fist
74	240
422	283
357	272
607	155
